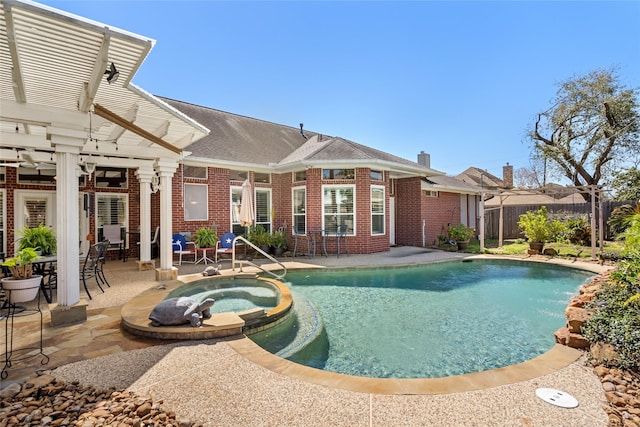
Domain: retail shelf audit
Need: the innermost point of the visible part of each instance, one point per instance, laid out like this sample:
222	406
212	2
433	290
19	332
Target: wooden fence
511	216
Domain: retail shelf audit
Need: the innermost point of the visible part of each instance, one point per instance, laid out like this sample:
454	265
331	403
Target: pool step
310	327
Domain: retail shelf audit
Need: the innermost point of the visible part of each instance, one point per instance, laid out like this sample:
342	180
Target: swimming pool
428	321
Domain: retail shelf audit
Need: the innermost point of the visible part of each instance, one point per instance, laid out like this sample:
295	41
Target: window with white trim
376	175
300	210
112	209
338	207
196	202
338	173
263	208
194	172
377	210
236	202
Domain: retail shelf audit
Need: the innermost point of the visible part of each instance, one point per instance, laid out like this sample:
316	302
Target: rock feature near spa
46	401
181	310
577	315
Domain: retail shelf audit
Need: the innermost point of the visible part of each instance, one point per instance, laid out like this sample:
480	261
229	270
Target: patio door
33	208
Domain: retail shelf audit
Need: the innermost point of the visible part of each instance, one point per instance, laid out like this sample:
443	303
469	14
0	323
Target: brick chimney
507	176
424	159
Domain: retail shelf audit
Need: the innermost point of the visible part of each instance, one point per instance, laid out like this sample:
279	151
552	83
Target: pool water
431	320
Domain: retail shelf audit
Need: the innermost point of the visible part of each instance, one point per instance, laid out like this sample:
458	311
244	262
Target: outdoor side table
204	259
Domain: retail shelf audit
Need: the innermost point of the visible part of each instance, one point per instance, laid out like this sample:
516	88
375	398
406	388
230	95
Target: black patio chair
92	267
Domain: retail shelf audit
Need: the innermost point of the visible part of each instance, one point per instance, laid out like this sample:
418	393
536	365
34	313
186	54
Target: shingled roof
237	138
245	140
480	177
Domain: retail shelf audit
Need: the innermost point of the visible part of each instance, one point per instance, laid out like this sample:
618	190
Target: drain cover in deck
557	397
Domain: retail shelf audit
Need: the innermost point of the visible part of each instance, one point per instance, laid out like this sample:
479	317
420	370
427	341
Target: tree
527	178
592	127
626	184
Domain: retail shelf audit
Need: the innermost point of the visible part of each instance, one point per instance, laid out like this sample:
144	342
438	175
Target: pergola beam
91	88
120	121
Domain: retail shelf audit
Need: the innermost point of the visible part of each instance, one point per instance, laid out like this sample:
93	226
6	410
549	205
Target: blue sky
459	80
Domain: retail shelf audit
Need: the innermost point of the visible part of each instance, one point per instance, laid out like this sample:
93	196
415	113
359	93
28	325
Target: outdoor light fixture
89	167
113	74
155	184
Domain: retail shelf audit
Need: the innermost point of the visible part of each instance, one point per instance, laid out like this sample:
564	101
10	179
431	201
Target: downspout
423	235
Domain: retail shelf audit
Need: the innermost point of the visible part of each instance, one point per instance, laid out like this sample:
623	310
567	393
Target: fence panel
512	214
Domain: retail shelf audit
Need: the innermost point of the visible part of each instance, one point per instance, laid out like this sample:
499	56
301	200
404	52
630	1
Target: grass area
520	247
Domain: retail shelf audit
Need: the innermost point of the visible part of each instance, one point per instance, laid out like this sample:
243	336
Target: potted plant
260	238
461	234
41	238
536	227
23	285
205	237
279	242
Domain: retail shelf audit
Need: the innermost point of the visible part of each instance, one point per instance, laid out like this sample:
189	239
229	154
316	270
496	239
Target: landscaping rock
44	400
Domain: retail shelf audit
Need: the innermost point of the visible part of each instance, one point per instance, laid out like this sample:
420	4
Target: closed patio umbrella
246	208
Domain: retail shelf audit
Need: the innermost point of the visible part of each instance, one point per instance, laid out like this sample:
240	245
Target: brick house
82	147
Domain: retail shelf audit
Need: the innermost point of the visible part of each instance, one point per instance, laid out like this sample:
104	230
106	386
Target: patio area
233	382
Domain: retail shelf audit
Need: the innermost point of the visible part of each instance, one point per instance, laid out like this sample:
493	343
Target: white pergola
56	105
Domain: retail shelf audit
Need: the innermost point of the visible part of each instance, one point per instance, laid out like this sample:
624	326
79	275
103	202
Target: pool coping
135	319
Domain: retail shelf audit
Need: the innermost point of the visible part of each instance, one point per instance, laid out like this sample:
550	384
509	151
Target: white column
166	169
144	177
67	143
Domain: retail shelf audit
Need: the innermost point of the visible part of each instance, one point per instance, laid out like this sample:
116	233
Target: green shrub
620	219
577	231
616	319
537	227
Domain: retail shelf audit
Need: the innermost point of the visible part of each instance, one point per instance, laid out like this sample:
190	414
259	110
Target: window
195	172
430	193
110	177
3	173
300	210
112	209
338	207
238	175
377	210
36	176
299	176
195	202
376	175
263	178
236	202
263	208
338	173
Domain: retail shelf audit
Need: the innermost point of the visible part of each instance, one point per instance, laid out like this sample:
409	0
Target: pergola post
166	168
68	308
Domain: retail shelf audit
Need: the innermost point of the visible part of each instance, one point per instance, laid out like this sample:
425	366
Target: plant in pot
41	238
538	228
260	238
205	237
461	234
279	242
23	285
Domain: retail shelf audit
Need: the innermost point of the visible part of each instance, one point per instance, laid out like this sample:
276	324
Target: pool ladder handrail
246	261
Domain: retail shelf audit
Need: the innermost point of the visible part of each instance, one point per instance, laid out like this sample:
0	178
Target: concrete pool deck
231	381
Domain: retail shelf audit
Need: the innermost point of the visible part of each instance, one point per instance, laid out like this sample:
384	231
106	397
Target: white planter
21	290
